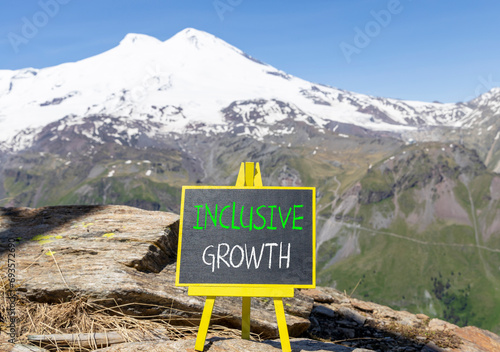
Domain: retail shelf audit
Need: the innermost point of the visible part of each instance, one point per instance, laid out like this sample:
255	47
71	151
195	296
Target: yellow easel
247	177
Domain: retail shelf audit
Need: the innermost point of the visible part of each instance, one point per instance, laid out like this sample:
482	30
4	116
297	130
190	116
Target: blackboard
247	236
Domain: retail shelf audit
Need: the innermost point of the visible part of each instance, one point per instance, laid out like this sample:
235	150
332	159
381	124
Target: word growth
246	257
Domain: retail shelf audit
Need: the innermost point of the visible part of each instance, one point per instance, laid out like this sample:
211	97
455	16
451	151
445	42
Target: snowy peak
192	35
139	39
206	43
191	38
197	38
486	98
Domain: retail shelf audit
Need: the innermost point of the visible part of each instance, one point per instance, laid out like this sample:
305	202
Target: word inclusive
272	215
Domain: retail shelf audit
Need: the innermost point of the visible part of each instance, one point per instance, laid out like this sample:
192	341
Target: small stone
318	296
422	316
440	325
336	295
324	311
353	315
365	307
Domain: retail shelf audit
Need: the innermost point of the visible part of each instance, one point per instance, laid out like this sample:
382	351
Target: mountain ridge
202	76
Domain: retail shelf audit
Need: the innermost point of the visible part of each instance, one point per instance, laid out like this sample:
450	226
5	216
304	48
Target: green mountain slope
422	236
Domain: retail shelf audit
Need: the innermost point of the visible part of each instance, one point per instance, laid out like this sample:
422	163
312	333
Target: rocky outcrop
120	255
125	256
355	323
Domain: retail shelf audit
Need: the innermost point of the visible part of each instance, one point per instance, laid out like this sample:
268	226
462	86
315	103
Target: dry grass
83	315
443	339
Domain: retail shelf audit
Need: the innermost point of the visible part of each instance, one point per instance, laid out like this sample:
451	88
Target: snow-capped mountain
192	83
134	124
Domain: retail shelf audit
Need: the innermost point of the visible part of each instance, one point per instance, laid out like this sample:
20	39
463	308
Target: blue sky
426	50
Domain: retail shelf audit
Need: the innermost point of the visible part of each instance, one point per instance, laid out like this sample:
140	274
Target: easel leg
204	323
245	318
282	327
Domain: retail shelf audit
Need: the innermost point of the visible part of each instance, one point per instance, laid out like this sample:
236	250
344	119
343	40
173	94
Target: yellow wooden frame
249	176
225	285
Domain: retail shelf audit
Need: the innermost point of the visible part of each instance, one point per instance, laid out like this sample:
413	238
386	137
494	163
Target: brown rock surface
477	340
126	256
119	255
